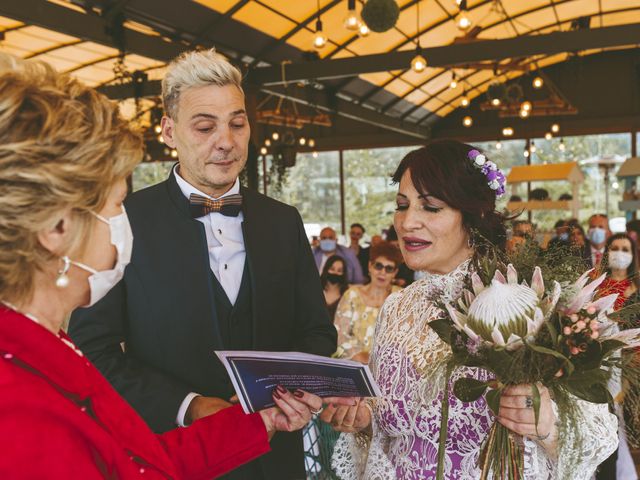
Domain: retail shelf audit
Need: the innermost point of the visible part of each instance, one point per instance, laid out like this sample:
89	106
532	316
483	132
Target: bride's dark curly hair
443	169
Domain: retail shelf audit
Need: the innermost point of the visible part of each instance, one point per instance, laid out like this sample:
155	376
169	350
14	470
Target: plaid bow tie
229	206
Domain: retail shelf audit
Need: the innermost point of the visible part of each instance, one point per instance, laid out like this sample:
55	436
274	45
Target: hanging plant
380	15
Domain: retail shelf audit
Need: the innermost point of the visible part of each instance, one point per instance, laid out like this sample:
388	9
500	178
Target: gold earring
62	281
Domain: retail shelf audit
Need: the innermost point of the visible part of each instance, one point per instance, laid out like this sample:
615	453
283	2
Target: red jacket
60	419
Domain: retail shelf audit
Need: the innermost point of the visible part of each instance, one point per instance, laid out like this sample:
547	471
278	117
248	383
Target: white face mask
100	282
619	260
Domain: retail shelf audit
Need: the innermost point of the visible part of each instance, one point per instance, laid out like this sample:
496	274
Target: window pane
369	194
312	185
150	173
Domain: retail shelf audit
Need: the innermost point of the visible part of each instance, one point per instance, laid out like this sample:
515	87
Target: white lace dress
408	361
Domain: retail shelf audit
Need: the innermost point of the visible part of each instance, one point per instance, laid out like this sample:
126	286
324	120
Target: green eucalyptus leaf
610	346
443	328
535	395
493	400
469	389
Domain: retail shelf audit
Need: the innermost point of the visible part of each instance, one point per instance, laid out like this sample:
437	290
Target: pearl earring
63	280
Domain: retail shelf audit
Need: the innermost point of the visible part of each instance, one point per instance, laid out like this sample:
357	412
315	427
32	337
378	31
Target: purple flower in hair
495	178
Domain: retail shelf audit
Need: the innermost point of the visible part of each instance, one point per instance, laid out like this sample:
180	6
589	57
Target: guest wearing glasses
358	309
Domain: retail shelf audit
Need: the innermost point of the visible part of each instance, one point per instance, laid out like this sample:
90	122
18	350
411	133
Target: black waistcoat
235	322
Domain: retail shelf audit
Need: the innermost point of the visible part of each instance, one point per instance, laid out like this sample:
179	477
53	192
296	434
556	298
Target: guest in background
523	231
334	282
597	234
329	247
619	262
356	232
621	268
405	275
358	309
375	239
561	237
65	240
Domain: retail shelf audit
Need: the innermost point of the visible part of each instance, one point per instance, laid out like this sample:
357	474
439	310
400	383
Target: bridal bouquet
544	331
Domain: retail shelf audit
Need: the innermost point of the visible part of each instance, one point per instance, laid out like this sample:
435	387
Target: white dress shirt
227	254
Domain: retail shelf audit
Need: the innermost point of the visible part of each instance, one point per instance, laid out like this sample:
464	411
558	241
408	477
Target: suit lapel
196	260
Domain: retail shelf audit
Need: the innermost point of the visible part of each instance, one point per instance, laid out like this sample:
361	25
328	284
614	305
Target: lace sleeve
582	445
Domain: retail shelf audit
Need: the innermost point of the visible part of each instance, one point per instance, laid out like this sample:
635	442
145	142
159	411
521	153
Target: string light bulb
314	154
174	153
464	101
320	40
267	142
526	153
302	141
160	138
507	131
275	136
537	82
498	145
363	30
263	151
351	21
555	128
533	148
419	63
562	145
495	102
526	105
311	143
462	19
467	121
158	129
454	81
548	136
524	113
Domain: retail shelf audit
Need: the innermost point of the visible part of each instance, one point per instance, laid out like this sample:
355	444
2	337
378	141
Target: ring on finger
528	403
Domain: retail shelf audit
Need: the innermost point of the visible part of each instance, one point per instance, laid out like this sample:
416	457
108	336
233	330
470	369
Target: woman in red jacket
64	242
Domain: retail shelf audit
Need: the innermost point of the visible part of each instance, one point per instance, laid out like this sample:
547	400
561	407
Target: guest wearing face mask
561	238
334	282
622	272
622	278
597	234
65	240
358	309
329	247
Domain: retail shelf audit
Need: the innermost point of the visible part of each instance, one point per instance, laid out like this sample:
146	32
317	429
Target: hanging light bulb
462	19
561	146
555	128
526	105
507	131
533	148
320	40
363	30
548	136
495	102
351	21
302	141
538	82
419	63
526	153
275	136
160	138
158	129
311	143
454	81
524	113
464	101
314	154
267	142
467	121
174	153
263	151
498	145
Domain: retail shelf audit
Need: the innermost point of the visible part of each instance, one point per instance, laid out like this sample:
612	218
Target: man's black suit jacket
163	310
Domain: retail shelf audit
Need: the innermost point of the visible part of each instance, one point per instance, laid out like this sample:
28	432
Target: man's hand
204	406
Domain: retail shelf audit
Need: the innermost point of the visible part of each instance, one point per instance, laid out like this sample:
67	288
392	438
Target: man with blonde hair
215	266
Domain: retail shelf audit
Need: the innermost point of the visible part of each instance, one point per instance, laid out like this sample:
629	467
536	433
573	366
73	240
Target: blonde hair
196	68
62	147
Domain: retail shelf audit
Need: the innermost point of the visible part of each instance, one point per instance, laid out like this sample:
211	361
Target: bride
445	199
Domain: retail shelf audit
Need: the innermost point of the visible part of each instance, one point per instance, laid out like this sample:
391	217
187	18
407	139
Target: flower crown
495	178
